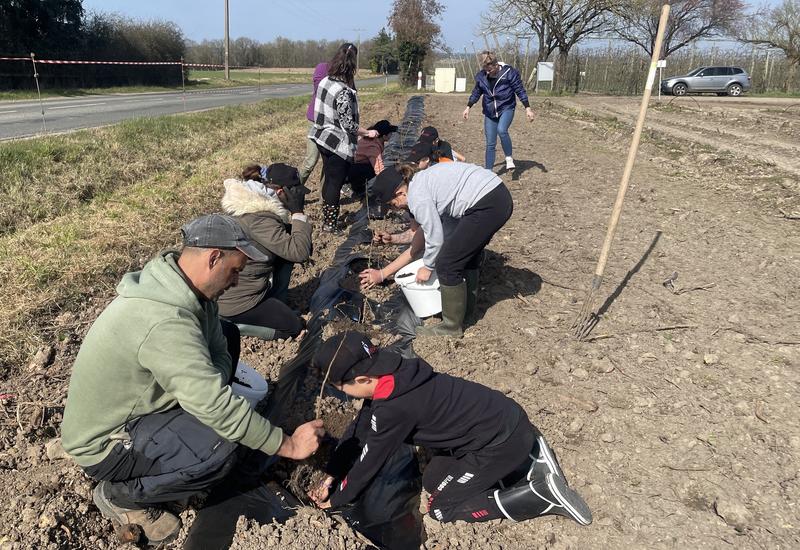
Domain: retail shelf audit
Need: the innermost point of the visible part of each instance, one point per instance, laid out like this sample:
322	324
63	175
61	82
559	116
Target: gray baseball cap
220	231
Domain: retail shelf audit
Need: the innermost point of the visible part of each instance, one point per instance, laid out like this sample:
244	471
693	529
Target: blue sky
263	20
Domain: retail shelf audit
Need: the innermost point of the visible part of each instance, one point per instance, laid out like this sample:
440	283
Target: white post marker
661	64
419	80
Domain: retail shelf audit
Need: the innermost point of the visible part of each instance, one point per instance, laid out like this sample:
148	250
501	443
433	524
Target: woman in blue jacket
500	85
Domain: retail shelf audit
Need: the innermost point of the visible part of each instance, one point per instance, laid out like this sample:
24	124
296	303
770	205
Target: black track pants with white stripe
463	488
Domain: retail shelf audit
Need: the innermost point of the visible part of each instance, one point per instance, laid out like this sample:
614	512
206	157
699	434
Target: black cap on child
350	354
385	184
285	176
429	134
384	127
420	150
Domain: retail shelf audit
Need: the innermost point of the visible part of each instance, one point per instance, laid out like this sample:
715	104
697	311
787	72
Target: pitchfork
588	318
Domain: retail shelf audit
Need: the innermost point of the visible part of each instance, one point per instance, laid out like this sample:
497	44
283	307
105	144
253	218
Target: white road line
75	106
5	112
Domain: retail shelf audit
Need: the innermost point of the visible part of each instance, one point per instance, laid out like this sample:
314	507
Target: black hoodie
419	406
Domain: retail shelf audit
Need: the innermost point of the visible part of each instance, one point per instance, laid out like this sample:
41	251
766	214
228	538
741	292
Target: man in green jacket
150	412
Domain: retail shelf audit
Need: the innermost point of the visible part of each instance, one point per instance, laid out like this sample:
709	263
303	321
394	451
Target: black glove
294	198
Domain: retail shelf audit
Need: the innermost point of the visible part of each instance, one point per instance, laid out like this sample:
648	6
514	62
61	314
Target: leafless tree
636	21
522	20
777	27
560	22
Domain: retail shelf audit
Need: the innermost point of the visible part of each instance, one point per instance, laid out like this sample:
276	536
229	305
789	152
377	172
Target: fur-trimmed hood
239	200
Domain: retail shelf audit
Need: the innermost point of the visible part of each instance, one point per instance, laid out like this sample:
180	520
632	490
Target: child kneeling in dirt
489	461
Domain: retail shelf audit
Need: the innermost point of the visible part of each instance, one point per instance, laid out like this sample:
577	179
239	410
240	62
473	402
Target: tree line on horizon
62	29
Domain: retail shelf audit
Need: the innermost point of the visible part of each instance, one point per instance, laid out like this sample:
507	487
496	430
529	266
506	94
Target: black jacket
416	405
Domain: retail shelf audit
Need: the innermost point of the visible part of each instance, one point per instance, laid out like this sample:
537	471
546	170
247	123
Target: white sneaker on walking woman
510	163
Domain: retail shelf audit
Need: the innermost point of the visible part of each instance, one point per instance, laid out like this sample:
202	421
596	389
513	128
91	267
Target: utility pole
227	44
358	45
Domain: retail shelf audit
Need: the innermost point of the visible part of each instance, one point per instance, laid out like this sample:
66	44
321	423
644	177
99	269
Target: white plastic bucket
425	299
248	383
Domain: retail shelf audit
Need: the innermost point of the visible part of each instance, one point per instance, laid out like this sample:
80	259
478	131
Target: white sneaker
510	163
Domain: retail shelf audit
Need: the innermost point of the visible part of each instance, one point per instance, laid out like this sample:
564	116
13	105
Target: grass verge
56	263
47	177
196	81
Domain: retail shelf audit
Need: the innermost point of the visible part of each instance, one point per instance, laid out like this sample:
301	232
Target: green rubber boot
471	278
265	333
454	305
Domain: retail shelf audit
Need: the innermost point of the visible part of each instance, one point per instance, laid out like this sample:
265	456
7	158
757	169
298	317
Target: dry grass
170	170
48	177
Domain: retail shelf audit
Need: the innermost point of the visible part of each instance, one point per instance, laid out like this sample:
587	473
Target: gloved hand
294	198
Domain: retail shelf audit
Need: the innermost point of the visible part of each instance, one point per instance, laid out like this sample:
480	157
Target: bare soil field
676	419
765	130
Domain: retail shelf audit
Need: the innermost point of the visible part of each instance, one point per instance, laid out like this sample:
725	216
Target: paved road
19	119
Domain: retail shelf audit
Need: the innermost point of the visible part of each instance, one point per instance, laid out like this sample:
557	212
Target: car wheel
679	89
735	90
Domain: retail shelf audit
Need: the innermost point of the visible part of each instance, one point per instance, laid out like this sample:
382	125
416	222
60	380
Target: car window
712	71
736	70
695	72
727	71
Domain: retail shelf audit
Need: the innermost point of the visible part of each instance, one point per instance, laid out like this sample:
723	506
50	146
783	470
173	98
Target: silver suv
732	81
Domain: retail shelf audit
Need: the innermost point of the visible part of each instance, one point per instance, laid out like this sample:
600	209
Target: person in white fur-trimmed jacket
268	203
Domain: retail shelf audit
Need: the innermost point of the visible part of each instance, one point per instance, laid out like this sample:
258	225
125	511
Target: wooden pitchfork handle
637	134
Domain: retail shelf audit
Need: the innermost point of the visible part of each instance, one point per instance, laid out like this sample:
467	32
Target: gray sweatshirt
446	189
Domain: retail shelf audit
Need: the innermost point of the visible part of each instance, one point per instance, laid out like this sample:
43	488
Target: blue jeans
493	127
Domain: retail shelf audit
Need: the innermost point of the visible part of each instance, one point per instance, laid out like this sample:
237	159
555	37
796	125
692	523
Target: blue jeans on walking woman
493	127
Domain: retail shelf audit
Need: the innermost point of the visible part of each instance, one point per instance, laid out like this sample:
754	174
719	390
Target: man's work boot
543	497
472	279
454	305
159	526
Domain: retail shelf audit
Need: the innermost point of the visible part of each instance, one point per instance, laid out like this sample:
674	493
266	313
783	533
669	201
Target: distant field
196	80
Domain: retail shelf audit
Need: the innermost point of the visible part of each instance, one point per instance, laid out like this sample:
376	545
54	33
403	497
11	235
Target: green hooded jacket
155	347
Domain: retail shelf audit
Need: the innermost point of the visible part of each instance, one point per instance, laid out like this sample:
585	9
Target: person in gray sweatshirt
475	198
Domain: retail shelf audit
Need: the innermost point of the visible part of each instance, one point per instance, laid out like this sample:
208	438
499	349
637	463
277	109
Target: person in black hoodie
489	461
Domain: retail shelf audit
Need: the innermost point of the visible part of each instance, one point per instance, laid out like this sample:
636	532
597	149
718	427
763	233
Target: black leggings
335	170
463	488
274	314
463	248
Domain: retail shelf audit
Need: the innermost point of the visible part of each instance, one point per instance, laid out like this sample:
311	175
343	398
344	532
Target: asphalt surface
21	119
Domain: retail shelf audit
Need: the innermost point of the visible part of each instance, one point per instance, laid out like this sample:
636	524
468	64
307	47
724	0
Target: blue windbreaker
501	97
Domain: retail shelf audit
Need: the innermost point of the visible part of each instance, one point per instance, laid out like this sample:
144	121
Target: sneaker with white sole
159	526
543	497
510	163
